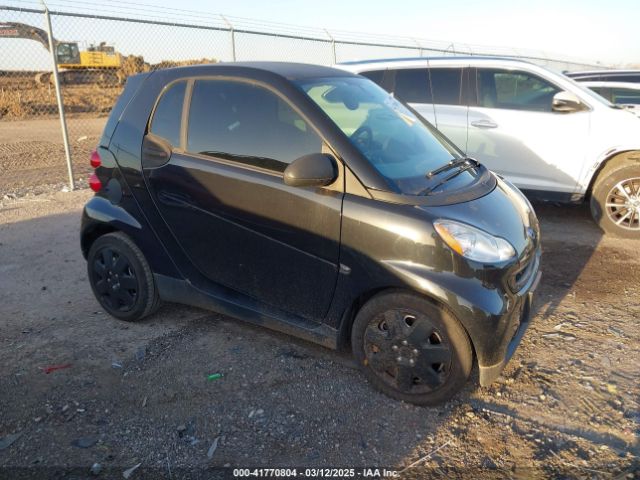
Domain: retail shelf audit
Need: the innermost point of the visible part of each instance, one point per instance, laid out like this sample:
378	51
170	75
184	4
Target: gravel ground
568	404
29	166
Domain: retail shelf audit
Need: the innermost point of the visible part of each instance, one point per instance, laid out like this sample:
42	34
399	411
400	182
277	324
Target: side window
375	76
627	96
412	85
514	90
603	92
622	77
167	116
248	124
67	53
447	86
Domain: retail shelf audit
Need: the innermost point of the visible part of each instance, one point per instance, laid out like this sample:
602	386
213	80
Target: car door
223	197
514	131
439	95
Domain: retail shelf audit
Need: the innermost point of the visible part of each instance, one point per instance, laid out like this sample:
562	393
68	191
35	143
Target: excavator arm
20	30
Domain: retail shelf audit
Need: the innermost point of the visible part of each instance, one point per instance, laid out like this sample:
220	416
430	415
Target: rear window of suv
442	86
412	85
447	86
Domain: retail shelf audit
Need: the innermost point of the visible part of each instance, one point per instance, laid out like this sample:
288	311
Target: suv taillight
94	181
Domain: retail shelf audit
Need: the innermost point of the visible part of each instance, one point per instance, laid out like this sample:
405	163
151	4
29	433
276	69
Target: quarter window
168	114
514	90
247	123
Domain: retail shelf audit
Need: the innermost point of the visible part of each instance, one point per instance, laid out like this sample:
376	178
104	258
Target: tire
615	199
436	343
121	278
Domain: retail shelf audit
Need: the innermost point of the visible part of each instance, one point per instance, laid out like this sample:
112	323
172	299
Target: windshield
399	144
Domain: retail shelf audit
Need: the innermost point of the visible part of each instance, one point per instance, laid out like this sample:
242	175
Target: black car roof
288	70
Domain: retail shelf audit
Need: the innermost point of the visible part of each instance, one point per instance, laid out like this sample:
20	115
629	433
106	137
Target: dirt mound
21	97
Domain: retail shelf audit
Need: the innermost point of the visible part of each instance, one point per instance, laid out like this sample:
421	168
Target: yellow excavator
97	64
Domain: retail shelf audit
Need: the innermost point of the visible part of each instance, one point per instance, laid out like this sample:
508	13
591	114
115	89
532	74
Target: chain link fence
95	54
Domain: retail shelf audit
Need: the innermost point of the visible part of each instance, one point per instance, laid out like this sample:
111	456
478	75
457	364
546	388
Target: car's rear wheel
411	349
121	278
615	200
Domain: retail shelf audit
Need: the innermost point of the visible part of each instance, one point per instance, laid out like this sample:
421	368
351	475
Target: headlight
473	243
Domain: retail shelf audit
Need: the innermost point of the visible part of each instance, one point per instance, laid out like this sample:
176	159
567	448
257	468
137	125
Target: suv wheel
411	349
121	278
615	201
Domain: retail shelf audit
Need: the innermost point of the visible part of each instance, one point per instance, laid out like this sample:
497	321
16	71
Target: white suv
551	137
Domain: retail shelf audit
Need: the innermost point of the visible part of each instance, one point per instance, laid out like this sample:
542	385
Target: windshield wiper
453	164
464	164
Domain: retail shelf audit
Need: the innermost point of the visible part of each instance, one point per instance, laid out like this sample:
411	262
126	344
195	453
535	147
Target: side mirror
566	102
314	170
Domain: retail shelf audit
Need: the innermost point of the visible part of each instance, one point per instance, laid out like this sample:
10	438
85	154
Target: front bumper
489	373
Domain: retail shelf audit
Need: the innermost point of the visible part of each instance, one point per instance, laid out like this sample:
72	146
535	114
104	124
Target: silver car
625	94
550	136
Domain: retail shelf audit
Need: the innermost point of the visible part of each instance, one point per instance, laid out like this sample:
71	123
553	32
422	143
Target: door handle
484	124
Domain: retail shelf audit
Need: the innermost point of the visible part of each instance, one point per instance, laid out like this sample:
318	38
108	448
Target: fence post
56	81
233	37
333	45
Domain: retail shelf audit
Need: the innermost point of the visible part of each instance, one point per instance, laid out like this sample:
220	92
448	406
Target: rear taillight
94	181
95	159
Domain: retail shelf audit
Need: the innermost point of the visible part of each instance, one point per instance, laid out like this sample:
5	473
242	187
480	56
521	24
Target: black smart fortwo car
310	201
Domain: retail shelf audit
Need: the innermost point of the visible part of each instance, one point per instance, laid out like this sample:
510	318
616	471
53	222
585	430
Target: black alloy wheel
406	350
115	279
121	278
411	349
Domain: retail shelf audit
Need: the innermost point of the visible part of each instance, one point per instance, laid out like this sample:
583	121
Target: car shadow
569	239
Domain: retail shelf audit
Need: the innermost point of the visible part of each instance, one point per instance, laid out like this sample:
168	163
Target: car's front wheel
411	349
615	200
121	278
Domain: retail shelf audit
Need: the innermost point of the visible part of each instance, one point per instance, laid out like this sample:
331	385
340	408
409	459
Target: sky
589	30
597	30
